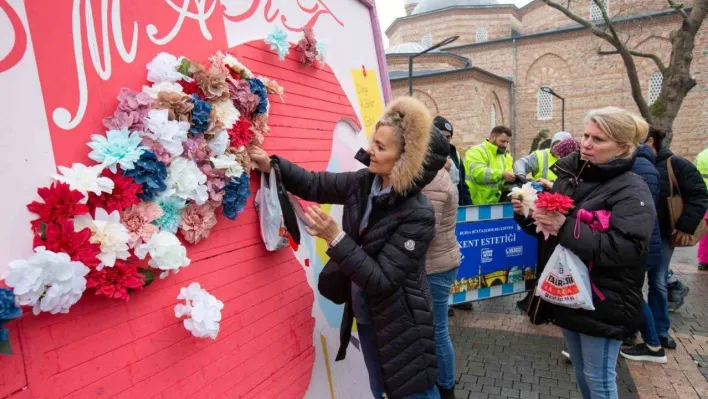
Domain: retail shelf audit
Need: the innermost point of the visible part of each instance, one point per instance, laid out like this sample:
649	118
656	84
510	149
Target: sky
388	10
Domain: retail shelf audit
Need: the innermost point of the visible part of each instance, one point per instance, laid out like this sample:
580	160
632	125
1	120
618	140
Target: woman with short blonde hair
599	178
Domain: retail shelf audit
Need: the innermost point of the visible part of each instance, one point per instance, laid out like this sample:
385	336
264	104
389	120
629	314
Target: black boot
446	393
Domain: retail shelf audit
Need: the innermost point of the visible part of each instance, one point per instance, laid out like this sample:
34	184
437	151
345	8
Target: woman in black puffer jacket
377	263
600	178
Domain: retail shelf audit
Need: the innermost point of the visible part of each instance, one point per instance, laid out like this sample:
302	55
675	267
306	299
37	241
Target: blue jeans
440	284
655	311
595	362
367	338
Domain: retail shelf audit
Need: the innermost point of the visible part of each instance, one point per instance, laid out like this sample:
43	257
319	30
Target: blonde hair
620	126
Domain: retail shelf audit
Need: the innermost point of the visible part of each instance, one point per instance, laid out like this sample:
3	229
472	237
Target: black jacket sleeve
463	189
403	253
631	225
319	187
693	192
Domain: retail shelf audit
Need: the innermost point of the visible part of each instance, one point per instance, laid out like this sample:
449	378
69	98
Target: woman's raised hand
260	159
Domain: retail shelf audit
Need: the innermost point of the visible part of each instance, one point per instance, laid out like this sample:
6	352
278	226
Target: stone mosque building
492	74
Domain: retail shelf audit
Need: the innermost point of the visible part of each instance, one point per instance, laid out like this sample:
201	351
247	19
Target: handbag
675	205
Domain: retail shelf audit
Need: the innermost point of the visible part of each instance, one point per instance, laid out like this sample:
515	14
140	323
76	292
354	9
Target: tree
677	80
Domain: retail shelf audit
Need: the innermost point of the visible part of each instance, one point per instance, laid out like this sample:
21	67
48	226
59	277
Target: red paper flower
554	202
61	237
125	194
60	203
241	133
191	88
115	281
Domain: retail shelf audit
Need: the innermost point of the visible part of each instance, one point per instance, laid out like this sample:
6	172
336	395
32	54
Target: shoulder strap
672	178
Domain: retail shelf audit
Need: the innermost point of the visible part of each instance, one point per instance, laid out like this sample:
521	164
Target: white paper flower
48	281
226	112
85	179
228	163
156	88
163	68
106	230
527	195
166	253
171	134
185	180
220	143
234	64
203	311
117	147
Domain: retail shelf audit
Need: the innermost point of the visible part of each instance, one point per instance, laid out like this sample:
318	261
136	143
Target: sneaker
667	342
630	341
677	297
642	353
702	267
565	354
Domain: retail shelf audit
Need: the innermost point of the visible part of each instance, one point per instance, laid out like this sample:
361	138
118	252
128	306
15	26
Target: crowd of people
395	256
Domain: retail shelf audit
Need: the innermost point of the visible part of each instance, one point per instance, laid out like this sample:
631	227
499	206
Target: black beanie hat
442	123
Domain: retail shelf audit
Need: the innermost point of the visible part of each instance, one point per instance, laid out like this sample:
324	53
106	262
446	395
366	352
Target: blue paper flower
278	41
200	115
151	174
258	88
236	194
172	208
117	147
537	186
8	311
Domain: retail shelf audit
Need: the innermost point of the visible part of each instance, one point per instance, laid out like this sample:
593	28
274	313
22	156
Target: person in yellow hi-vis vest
488	166
538	163
702	166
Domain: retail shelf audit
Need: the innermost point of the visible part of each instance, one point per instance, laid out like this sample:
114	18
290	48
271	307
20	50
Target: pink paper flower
216	181
158	149
197	222
197	149
138	220
245	101
133	107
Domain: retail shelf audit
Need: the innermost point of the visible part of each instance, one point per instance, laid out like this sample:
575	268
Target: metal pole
563	114
410	76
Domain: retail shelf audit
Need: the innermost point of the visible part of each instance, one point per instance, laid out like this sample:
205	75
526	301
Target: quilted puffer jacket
444	252
387	260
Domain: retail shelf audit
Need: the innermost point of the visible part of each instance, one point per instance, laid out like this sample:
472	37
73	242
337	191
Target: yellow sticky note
368	93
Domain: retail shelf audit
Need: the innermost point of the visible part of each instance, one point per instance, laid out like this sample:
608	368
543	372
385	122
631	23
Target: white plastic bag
565	281
273	231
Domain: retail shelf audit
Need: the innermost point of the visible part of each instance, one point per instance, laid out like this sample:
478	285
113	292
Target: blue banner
494	253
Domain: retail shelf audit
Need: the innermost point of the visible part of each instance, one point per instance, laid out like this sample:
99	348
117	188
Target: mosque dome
432	5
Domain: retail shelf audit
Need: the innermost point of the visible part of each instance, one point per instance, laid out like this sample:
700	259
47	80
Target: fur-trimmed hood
407	173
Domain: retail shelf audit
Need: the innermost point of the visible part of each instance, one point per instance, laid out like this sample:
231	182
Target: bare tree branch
653	57
589	25
679	9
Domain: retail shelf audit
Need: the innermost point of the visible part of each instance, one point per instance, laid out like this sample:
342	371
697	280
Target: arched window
482	35
427	40
596	12
494	115
655	81
544	106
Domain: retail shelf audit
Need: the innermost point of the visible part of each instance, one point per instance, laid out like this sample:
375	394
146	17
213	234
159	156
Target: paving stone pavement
501	355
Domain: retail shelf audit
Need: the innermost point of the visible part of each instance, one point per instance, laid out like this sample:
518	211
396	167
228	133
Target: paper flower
63	237
259	89
60	204
47	281
554	202
138	221
85	179
308	47
196	149
197	222
278	41
228	164
203	311
245	101
235	195
241	134
226	113
212	80
238	68
125	193
273	87
114	282
179	106
156	88
133	107
118	147
106	230
185	180
243	158
169	133
321	47
166	253
8	311
151	174
537	186
164	68
172	208
219	143
527	195
260	128
216	181
200	115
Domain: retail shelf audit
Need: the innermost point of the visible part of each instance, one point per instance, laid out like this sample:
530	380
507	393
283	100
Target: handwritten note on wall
369	96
